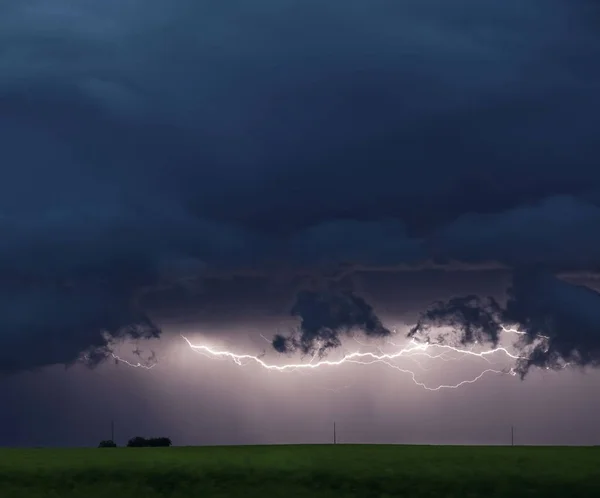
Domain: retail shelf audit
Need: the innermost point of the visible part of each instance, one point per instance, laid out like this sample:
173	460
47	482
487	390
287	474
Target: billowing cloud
152	145
568	315
476	320
558	319
325	318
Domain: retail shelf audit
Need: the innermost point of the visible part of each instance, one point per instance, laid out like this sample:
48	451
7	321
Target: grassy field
301	471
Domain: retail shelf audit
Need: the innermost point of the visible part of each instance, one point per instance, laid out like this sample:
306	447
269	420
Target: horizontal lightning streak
134	365
415	349
364	358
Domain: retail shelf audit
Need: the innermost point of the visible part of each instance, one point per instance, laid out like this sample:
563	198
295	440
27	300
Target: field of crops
301	471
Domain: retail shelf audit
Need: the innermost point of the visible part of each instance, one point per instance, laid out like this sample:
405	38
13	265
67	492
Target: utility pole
112	430
512	435
334	435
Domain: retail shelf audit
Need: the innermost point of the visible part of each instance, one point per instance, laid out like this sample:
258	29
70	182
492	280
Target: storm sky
312	173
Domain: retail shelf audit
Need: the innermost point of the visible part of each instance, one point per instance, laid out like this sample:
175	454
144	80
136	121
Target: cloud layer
149	145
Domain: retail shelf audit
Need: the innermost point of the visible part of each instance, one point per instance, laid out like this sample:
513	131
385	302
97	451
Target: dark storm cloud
560	320
475	319
147	145
569	315
558	232
325	317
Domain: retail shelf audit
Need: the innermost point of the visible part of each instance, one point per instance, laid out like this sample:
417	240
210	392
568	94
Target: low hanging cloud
541	306
473	318
325	318
568	315
48	325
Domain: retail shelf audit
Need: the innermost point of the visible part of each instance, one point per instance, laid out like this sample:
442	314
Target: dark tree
137	442
153	442
107	443
159	442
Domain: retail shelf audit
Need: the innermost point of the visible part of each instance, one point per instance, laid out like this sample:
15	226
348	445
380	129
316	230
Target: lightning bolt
519	332
134	365
367	358
414	349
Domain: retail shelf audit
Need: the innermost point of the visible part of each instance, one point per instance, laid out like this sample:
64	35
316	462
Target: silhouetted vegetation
153	442
107	443
137	442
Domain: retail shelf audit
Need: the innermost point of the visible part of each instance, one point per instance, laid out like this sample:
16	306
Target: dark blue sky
186	162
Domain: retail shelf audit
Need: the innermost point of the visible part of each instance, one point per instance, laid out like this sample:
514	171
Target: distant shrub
137	442
107	443
159	442
153	442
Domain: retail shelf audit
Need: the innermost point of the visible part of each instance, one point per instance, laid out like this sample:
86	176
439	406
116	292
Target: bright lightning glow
368	358
414	349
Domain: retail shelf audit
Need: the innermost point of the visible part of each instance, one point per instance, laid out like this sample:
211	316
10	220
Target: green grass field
301	471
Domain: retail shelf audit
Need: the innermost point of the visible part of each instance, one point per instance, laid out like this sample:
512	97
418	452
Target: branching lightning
414	349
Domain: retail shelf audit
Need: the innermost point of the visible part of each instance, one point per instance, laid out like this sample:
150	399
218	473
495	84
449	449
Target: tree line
139	442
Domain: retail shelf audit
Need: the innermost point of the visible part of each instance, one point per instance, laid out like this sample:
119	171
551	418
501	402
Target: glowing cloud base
413	350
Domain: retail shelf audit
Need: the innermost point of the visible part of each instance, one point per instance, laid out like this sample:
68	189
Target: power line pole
112	430
334	435
512	435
